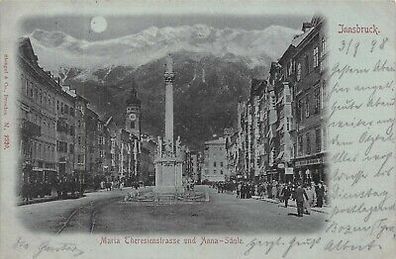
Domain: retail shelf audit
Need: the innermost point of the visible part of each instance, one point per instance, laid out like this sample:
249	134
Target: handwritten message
361	121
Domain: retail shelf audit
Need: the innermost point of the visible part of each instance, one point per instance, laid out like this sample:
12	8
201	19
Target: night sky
118	26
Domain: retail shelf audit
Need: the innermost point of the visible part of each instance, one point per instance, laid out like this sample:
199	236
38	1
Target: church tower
133	114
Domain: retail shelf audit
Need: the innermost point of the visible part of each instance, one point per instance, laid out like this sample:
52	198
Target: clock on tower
133	113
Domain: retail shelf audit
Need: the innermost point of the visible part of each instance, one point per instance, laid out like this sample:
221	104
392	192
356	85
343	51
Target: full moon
98	24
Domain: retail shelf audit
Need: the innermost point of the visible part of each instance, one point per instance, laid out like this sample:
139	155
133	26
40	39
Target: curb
290	205
37	201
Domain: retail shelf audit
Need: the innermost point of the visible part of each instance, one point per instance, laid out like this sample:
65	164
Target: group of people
110	185
189	184
306	195
223	187
35	189
245	190
64	188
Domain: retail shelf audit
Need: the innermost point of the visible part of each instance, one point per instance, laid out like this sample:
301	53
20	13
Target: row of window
62	126
309	64
44	151
101	140
80	158
64	109
40	96
311	142
215	164
61	146
311	103
45	99
213	172
47	124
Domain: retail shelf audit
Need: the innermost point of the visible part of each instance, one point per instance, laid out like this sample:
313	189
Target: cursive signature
49	247
289	245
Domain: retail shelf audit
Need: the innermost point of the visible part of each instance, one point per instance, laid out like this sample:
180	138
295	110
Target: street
106	212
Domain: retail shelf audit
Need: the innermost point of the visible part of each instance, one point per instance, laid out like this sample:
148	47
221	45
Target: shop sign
312	161
289	170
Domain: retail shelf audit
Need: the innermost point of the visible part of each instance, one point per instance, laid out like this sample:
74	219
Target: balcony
29	129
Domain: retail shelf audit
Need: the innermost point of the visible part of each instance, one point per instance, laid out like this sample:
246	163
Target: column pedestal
168	175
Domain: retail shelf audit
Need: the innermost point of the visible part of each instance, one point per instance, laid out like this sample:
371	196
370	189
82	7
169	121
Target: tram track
85	217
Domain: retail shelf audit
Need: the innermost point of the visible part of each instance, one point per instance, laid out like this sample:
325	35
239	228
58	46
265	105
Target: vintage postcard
197	129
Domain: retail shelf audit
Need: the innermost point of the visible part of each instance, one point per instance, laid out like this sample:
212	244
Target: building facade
80	141
62	138
281	133
310	88
37	119
215	161
65	129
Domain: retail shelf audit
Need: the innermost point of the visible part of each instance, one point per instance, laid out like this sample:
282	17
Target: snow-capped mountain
154	43
213	69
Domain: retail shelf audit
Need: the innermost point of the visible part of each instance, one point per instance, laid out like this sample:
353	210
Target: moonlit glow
98	24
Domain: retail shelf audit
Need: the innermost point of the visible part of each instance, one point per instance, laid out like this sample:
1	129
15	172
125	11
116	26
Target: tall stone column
168	166
169	78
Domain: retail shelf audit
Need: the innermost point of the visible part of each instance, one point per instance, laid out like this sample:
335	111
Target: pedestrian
239	190
280	192
311	195
300	194
286	194
25	191
264	190
249	190
325	196
269	190
29	190
307	207
320	195
293	191
274	190
244	191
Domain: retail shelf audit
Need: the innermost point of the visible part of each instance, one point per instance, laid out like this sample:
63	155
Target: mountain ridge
213	70
154	43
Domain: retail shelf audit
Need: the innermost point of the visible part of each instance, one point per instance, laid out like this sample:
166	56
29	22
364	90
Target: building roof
26	49
299	38
108	121
132	98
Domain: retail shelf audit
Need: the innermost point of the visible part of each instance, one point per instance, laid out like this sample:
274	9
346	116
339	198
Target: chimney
306	26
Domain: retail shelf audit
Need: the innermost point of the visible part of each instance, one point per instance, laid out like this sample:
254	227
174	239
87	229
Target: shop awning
280	127
280	155
280	100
